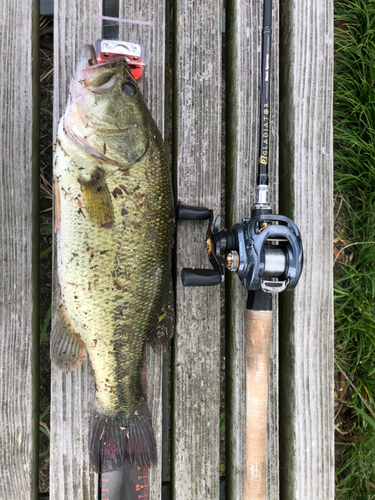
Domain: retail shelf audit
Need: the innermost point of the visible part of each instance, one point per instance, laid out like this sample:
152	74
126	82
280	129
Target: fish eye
128	89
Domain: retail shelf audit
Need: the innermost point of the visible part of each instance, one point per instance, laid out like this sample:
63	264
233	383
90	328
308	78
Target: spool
275	262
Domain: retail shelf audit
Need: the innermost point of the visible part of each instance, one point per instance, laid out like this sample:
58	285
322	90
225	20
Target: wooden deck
300	431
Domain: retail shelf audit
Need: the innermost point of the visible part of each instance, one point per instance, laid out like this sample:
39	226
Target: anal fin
68	351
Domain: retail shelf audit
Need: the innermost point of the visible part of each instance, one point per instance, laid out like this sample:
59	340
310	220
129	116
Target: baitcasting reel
265	251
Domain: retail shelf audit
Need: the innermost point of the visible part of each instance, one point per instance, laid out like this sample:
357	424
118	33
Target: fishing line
122	20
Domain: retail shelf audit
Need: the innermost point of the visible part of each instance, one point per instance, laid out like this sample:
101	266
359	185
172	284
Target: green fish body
114	223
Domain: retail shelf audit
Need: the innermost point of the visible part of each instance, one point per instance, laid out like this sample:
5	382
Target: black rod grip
200	277
187	212
257	300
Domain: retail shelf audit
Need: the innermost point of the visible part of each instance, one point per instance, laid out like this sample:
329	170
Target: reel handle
187	212
200	277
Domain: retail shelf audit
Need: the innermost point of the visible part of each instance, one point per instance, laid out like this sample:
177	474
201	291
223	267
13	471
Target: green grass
354	156
44	428
47	320
222	435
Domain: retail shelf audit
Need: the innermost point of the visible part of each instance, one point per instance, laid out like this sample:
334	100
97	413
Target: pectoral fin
97	200
68	351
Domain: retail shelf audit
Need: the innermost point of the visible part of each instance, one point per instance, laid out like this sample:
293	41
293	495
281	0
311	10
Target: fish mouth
78	85
86	59
87	78
96	79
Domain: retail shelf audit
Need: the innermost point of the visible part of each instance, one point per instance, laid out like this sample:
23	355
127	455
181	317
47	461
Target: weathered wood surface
197	144
306	399
19	250
306	194
153	38
244	22
306	323
73	393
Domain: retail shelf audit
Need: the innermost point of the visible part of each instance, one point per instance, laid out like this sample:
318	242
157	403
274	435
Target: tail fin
123	437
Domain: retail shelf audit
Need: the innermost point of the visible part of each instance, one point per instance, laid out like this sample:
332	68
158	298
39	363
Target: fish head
106	114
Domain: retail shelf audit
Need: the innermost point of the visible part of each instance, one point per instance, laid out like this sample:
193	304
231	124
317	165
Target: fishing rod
265	251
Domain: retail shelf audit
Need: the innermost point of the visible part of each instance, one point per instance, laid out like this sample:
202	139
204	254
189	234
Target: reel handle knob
187	212
200	277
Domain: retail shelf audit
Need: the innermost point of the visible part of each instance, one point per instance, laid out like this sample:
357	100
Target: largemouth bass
114	223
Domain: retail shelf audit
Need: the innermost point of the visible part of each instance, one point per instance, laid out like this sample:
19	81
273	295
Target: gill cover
103	117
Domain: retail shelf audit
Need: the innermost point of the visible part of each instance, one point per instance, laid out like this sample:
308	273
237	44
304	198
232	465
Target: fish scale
114	227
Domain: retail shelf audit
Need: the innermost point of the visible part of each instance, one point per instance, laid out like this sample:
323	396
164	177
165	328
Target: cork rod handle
258	340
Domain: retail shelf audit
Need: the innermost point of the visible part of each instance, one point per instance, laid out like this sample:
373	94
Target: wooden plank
19	250
153	39
243	45
306	362
197	145
72	393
